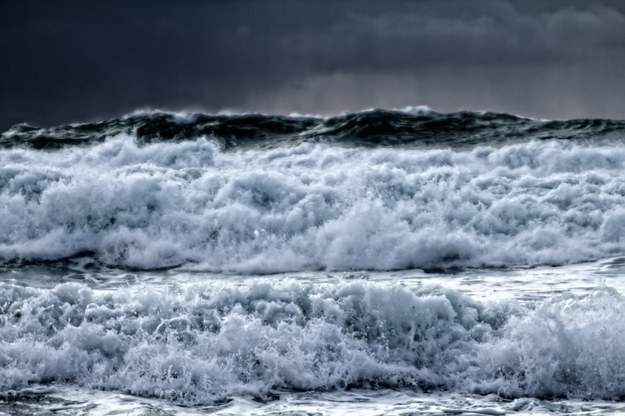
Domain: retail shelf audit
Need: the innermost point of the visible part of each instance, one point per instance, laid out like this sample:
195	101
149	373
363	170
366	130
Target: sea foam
204	343
313	206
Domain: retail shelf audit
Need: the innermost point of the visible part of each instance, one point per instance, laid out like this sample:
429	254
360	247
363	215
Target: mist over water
231	199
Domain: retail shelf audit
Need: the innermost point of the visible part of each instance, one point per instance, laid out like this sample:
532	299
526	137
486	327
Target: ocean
387	262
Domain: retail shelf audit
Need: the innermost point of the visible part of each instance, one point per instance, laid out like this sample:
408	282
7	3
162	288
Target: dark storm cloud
72	60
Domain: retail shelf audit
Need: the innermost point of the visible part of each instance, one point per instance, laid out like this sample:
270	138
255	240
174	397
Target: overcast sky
69	61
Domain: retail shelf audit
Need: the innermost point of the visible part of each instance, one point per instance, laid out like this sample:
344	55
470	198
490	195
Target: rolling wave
368	128
313	206
201	343
256	194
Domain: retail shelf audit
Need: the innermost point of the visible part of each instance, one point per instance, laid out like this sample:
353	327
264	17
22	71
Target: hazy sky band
67	61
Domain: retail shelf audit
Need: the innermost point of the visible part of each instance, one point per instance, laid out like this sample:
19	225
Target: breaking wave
256	194
202	343
131	203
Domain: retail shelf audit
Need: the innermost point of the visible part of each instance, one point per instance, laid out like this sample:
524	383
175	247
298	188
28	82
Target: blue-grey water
384	262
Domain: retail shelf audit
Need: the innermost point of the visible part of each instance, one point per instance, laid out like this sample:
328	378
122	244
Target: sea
385	262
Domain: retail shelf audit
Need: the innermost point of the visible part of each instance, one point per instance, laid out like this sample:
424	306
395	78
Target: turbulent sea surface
382	262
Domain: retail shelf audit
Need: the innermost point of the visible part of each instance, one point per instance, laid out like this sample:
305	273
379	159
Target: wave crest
413	126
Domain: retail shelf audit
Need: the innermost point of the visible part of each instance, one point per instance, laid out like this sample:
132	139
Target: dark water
373	128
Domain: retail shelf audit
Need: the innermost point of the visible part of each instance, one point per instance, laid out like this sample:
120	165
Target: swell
202	343
368	128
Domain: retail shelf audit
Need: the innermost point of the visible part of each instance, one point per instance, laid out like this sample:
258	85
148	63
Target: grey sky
68	61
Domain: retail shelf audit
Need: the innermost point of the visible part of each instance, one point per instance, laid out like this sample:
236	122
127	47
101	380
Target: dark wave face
378	190
368	128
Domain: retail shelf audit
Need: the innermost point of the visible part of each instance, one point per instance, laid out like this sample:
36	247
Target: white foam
201	343
313	206
419	110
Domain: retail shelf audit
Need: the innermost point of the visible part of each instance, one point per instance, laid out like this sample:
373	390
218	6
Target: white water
502	341
313	206
319	335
